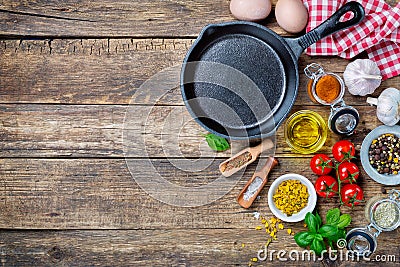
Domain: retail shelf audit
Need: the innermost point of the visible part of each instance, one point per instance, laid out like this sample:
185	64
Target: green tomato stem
339	181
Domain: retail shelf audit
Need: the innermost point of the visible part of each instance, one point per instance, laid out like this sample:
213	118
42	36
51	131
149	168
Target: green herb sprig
216	143
320	235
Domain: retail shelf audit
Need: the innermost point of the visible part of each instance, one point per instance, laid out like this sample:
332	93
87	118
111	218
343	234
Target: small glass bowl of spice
326	88
384	154
380	154
291	196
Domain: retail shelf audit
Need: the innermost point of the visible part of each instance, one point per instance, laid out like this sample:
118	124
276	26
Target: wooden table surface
69	72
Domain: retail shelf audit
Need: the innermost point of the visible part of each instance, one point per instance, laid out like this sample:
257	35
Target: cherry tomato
351	195
343	150
321	164
326	186
348	172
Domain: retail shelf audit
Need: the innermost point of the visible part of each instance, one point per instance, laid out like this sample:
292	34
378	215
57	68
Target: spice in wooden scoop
244	158
236	162
253	187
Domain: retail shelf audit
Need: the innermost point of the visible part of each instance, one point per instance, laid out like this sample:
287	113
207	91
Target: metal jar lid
343	119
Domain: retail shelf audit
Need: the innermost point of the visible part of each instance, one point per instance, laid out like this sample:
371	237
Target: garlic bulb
388	110
362	77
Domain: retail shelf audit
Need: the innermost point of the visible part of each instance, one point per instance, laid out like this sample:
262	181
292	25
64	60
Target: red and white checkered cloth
378	34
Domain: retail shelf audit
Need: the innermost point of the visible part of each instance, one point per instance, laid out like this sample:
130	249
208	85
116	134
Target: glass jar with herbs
383	214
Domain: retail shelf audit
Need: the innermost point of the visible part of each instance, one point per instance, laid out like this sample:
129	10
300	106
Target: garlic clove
362	77
388	106
387	114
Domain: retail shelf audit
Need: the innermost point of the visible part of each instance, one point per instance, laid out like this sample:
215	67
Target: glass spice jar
383	214
328	89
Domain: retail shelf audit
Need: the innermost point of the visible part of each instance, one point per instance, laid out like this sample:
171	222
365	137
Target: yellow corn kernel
243	245
254	259
289	231
280	226
258	227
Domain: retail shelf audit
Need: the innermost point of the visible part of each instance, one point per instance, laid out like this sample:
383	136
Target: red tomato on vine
321	164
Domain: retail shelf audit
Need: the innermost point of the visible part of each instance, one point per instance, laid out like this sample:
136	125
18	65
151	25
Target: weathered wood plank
101	194
211	247
122	18
98	131
110	71
79	71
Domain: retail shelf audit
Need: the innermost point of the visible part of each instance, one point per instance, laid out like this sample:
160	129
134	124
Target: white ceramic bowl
374	174
312	199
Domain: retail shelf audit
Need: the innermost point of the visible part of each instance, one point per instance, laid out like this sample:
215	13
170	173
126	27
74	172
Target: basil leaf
332	216
216	143
317	246
344	220
330	243
303	239
319	220
311	222
328	231
318	237
340	234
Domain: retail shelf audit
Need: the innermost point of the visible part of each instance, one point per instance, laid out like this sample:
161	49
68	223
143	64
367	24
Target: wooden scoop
244	158
246	200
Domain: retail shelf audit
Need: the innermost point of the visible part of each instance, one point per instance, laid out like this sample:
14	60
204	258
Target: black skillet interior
249	49
248	52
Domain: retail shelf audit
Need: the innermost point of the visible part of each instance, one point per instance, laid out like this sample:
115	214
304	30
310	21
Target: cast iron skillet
235	70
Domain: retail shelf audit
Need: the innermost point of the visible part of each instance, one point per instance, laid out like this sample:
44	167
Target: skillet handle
328	27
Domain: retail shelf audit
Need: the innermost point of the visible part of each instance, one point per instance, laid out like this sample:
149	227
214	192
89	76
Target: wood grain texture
110	71
70	196
101	194
121	18
99	131
210	247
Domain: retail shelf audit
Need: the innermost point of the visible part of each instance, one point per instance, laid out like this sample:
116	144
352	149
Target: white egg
291	15
251	10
